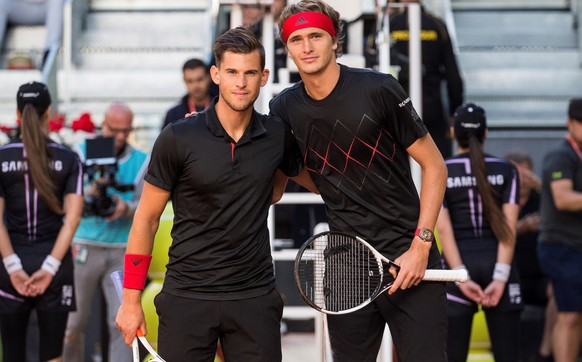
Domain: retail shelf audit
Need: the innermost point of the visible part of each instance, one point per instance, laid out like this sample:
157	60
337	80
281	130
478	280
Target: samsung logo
14	166
470	181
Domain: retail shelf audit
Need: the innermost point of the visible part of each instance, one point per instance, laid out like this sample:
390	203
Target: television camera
100	167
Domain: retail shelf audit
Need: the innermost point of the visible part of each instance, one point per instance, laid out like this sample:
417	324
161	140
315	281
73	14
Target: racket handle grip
117	279
459	275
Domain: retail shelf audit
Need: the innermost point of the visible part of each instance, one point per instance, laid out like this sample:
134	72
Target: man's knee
569	319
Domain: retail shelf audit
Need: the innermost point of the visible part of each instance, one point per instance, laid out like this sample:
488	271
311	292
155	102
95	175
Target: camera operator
100	241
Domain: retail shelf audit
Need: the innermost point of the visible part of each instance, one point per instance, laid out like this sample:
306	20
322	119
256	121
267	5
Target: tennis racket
117	278
338	273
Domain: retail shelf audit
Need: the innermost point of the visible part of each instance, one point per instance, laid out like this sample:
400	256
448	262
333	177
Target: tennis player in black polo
477	231
357	129
41	203
219	168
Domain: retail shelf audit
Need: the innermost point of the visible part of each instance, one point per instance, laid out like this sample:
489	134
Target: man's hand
120	209
412	265
130	316
529	223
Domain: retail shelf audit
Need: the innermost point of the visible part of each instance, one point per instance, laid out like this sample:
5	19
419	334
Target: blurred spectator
535	285
197	81
100	241
34	12
438	64
252	14
253	18
560	245
533	281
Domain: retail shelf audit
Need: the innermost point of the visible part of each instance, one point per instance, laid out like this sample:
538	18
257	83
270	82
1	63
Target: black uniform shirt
29	221
354	143
560	226
464	201
438	61
221	193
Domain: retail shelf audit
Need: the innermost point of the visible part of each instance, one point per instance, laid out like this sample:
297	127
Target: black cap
575	109
34	93
470	120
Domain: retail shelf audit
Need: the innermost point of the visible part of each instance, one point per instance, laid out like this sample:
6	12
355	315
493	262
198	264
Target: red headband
307	20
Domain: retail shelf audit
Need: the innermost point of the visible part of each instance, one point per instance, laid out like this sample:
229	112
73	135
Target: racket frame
384	264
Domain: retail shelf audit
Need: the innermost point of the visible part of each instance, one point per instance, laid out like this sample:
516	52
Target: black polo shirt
221	193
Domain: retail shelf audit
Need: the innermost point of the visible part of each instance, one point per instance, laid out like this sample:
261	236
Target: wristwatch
425	235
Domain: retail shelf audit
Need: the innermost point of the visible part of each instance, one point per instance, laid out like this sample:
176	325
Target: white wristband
51	265
12	263
501	272
462	267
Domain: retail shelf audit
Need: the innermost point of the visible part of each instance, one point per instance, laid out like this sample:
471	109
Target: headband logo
300	21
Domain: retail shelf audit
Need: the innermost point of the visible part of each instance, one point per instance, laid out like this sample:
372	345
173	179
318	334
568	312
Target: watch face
426	235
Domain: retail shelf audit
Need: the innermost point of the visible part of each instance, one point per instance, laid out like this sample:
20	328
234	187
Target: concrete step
125	84
24	37
139	58
506	82
128	40
126	30
515	28
509	4
519	57
142	5
523	112
169	22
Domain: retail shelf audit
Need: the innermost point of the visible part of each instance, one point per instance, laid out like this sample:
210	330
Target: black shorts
59	296
563	264
417	318
249	329
480	264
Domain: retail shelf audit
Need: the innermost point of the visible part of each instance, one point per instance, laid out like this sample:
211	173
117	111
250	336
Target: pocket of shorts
158	301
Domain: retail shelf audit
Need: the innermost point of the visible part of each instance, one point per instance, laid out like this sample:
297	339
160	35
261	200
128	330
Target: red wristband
135	270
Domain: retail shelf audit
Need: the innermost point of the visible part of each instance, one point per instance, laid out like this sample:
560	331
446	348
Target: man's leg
251	328
418	321
566	336
546	348
563	265
188	328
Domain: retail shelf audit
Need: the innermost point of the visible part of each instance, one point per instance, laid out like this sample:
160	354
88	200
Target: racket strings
338	273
